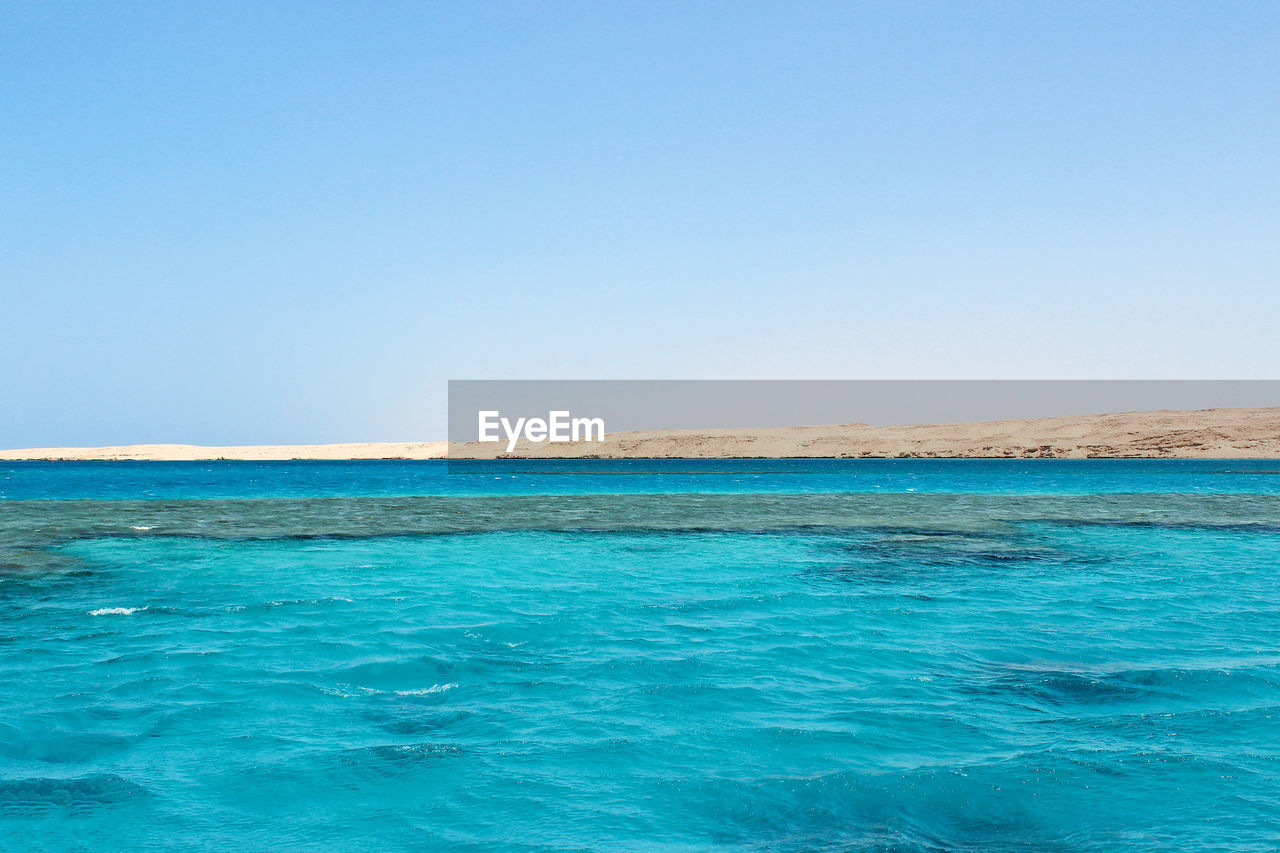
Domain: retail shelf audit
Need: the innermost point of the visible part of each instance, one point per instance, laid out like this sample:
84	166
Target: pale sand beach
1203	434
259	453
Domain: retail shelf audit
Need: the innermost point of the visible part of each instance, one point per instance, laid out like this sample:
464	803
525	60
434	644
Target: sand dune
1204	434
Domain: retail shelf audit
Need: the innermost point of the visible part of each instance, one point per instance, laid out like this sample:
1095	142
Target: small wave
349	691
141	527
424	691
34	797
294	602
116	611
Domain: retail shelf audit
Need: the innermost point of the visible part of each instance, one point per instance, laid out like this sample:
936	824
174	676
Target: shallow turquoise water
1013	656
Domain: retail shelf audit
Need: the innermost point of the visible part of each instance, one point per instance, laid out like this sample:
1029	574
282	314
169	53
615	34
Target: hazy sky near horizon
293	222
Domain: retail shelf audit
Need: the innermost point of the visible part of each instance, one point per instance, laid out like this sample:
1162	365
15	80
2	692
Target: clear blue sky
292	222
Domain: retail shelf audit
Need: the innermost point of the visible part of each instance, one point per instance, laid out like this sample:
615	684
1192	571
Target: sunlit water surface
909	655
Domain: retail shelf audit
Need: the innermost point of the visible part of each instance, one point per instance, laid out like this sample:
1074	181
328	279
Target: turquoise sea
645	656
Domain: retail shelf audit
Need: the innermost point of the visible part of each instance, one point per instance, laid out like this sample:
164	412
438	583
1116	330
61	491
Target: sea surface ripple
905	656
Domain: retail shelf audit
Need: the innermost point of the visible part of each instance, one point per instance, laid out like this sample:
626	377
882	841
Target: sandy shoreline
1203	434
259	453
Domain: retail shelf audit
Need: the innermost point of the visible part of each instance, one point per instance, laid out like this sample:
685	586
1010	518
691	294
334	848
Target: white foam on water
115	611
424	691
350	691
141	527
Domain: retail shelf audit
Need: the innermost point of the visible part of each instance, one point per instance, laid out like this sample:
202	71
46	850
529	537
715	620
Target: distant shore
1202	434
258	453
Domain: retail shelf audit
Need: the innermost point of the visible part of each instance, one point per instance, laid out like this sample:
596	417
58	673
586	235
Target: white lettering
559	423
488	422
513	435
587	425
558	427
